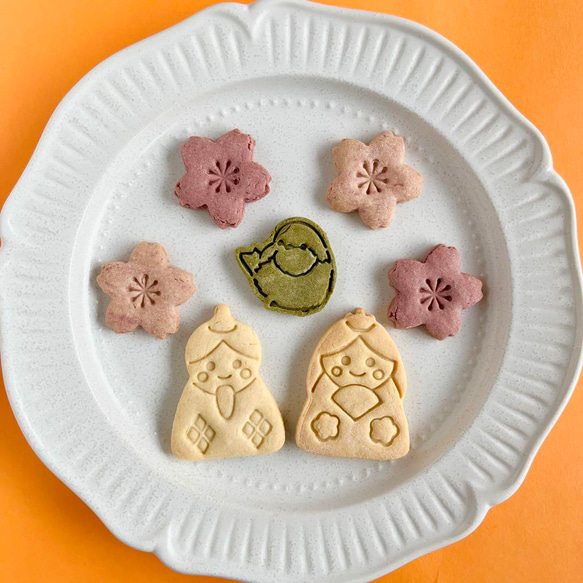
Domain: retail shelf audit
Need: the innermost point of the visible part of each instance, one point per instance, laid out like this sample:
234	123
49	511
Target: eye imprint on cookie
370	362
336	371
245	373
378	374
202	377
345	360
237	363
211	365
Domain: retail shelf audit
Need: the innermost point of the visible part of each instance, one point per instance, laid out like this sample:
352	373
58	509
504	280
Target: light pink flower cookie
372	179
221	176
145	291
432	292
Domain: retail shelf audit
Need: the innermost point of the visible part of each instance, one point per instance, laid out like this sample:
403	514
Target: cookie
356	384
145	291
372	179
293	271
225	409
221	177
432	292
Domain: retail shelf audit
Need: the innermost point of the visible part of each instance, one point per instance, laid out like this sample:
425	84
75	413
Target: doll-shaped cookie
356	384
225	409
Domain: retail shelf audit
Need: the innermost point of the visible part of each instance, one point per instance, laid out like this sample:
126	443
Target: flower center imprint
435	294
223	176
144	290
372	176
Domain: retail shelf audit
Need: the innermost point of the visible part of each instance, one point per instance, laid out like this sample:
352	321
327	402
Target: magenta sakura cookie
432	292
372	179
221	177
145	291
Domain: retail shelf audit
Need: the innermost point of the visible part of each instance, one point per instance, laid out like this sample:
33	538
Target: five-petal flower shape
432	292
326	426
221	176
372	179
145	291
384	430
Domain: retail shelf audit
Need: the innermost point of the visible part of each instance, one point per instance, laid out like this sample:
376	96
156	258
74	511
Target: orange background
531	49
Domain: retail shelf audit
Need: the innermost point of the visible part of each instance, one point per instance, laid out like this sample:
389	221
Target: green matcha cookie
293	271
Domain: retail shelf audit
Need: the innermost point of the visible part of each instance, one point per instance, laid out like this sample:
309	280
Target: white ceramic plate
98	408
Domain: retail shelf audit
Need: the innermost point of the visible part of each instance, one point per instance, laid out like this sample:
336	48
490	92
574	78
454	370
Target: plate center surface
137	380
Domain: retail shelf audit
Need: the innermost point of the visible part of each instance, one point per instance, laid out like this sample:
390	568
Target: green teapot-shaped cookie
293	271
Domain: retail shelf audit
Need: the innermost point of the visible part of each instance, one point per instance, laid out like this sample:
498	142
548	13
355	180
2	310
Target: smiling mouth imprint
357	375
224	378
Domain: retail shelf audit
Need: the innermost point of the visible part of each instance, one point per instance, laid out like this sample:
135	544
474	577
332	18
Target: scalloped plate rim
544	170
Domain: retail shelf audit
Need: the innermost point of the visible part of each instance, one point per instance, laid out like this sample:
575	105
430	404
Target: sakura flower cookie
372	179
145	291
221	177
432	292
355	389
225	409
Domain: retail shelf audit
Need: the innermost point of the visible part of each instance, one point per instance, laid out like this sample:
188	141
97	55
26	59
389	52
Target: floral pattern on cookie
145	291
372	179
432	292
221	177
384	431
326	426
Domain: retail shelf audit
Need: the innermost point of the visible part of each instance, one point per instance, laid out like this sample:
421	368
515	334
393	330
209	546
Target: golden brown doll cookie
225	409
356	384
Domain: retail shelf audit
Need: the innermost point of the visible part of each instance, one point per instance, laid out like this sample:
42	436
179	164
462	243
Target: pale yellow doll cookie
356	384
225	409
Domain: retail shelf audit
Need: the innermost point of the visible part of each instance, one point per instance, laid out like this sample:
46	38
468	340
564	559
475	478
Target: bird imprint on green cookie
293	270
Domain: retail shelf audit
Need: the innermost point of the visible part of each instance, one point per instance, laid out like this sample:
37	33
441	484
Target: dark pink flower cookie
145	291
372	179
432	292
221	176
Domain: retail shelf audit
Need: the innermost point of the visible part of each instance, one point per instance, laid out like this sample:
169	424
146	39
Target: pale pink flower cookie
372	179
432	292
221	177
145	291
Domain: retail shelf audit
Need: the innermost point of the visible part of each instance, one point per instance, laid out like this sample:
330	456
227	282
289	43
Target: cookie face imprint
355	389
225	409
223	365
145	291
221	176
432	292
294	270
372	179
